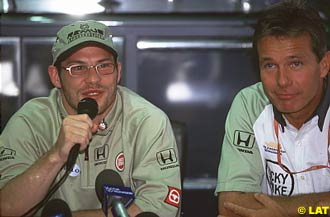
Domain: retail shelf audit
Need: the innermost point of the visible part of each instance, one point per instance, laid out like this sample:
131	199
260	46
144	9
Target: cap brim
78	46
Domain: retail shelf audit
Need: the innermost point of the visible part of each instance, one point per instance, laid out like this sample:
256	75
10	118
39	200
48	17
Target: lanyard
279	158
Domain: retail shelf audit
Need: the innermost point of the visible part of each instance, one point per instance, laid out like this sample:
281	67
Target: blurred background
188	57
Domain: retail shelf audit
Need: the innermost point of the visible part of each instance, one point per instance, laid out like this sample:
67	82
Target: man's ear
325	64
54	76
118	72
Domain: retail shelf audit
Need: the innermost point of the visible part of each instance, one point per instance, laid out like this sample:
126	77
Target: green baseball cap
79	33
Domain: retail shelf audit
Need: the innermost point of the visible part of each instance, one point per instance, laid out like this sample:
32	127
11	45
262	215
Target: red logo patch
173	196
120	162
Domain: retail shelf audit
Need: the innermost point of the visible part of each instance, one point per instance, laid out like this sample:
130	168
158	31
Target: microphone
147	214
56	208
85	106
110	190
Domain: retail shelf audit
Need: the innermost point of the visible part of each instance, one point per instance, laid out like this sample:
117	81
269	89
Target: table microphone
56	208
147	214
85	106
110	177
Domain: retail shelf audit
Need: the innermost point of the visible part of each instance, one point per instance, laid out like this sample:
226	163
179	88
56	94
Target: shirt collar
320	111
63	112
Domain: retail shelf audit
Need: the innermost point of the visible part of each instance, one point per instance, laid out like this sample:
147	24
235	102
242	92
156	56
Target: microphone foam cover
147	214
109	177
56	208
88	106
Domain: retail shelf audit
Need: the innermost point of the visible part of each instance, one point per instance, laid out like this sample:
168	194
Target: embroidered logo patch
120	162
173	196
166	157
243	139
7	153
101	153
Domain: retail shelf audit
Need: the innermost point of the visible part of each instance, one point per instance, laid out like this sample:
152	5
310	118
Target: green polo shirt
138	143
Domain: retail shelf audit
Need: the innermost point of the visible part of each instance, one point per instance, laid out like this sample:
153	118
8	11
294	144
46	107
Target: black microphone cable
85	106
35	209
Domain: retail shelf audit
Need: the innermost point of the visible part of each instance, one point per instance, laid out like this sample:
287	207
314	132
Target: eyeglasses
279	158
82	70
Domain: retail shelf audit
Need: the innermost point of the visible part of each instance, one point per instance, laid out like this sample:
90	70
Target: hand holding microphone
85	106
76	130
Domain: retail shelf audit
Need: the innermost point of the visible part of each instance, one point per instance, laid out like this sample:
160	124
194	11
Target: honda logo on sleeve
243	139
166	157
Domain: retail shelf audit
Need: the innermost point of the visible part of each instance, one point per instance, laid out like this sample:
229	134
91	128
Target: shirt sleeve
240	167
17	149
156	172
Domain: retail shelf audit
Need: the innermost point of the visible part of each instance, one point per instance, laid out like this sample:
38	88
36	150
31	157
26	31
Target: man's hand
270	209
75	129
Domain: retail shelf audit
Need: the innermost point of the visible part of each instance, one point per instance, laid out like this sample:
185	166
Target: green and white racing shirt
250	155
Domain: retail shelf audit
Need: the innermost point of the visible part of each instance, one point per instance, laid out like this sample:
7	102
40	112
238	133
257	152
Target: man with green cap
129	135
